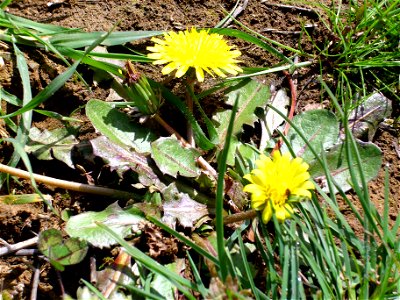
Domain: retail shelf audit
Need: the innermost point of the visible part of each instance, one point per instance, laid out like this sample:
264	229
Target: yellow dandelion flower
274	180
200	50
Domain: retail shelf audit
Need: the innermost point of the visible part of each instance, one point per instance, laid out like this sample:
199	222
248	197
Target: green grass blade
141	292
26	88
273	70
294	266
272	277
10	98
201	139
181	283
228	16
185	240
25	121
47	92
219	201
93	289
212	132
84	39
57	83
5	3
249	275
25	23
49	46
199	282
285	263
20	153
251	39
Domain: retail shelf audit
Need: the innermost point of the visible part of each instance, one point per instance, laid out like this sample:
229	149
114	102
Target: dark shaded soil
18	223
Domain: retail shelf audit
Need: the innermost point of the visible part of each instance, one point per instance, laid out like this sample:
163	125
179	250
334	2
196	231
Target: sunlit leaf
180	207
162	285
61	252
47	145
121	160
365	118
319	127
250	94
173	159
371	160
23	199
122	222
118	127
279	101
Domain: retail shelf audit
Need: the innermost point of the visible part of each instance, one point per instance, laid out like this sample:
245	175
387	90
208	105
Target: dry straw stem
68	185
8	248
238	217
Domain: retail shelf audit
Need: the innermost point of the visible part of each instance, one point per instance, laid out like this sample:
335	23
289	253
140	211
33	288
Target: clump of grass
362	53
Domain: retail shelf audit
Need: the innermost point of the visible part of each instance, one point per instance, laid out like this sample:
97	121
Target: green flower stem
200	160
189	102
68	185
245	215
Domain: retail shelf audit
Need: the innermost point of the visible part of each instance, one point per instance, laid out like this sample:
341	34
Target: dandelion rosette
275	181
200	50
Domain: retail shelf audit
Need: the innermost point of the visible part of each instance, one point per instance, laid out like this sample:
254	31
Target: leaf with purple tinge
61	252
173	159
180	207
122	222
121	160
47	145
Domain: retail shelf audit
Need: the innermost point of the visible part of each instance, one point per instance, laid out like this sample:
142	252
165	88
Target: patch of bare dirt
282	24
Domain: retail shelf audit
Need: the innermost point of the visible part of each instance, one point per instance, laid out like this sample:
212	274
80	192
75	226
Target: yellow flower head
274	180
197	49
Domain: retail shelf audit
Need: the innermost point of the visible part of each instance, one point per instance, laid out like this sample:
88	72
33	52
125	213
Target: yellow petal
181	71
200	50
199	74
169	68
267	214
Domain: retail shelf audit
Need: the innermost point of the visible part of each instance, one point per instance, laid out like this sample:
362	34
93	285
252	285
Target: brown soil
18	223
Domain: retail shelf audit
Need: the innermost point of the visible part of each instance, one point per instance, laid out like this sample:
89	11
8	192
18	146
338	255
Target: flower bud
139	92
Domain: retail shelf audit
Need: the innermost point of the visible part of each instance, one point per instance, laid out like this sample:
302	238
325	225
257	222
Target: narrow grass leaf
249	275
50	47
272	277
26	23
251	39
212	132
219	218
93	289
10	98
285	263
25	122
58	82
199	136
57	116
84	39
141	292
181	283
185	240
22	199
47	92
5	3
19	150
197	277
272	70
